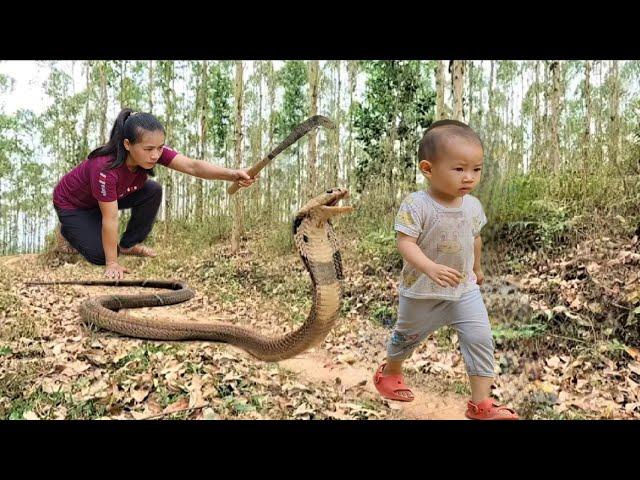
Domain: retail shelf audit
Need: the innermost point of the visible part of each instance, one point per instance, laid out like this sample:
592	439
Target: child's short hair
438	132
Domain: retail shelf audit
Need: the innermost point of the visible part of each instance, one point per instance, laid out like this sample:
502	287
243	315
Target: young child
439	239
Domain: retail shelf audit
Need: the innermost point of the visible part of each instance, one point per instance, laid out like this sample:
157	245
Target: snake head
324	206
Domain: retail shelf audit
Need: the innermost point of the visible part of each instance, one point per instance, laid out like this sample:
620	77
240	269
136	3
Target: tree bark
555	69
586	93
458	83
237	207
440	112
314	73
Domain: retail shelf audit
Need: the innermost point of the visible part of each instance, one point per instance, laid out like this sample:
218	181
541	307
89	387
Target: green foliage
293	78
397	107
131	82
220	122
533	210
6	83
529	202
501	333
61	122
279	239
378	243
383	314
8	143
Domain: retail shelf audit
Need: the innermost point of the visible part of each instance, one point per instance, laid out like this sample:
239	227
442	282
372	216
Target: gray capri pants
417	318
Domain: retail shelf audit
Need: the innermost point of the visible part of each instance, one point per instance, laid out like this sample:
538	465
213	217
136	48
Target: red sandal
488	409
390	385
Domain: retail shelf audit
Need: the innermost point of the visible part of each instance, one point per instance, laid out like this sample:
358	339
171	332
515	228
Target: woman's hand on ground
115	271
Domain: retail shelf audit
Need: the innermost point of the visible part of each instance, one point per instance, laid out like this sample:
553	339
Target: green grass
519	332
546	211
16	382
140	356
534	410
444	337
22	326
279	240
461	388
383	314
8	301
380	246
40	402
236	405
166	398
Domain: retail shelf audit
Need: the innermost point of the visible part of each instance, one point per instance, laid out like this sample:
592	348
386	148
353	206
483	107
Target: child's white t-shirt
446	236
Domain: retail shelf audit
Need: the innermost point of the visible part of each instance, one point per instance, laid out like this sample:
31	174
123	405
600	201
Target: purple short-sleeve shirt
91	182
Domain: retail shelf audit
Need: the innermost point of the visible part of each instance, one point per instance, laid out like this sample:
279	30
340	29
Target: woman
114	177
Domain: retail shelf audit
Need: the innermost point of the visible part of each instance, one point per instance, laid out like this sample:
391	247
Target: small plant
518	332
384	315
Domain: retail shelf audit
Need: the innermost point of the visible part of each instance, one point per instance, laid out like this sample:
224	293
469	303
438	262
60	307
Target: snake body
317	245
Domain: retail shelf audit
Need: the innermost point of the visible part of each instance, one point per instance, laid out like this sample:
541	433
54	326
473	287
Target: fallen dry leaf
140	395
633	352
195	391
178	405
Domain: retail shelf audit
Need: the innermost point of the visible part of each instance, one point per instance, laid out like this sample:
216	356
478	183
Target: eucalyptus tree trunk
237	207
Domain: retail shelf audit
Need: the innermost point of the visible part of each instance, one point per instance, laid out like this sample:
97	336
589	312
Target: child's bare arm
477	252
441	274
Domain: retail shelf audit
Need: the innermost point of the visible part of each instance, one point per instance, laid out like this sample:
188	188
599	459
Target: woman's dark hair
131	126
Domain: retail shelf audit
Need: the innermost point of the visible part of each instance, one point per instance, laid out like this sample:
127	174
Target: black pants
83	228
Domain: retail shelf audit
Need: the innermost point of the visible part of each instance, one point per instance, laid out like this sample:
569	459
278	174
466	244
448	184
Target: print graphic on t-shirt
103	184
129	189
405	218
448	247
409	275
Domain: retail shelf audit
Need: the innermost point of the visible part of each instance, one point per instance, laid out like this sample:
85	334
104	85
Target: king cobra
317	245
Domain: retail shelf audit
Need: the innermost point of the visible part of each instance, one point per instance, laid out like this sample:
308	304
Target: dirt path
317	367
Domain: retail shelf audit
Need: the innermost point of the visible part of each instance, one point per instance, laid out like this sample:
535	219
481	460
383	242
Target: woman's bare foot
63	244
138	250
